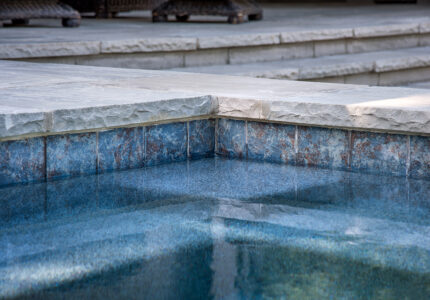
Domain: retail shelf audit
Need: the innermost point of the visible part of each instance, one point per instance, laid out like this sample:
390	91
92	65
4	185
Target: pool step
400	66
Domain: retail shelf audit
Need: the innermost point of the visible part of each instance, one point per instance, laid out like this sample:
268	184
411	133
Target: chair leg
20	21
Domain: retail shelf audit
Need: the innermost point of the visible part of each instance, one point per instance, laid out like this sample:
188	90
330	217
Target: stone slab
283	23
76	99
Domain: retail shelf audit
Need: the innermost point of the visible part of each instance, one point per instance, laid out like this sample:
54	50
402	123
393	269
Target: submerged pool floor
217	229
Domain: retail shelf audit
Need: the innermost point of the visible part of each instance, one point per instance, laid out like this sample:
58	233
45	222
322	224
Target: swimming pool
216	228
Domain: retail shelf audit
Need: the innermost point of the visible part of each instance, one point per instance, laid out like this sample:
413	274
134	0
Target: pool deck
134	32
44	99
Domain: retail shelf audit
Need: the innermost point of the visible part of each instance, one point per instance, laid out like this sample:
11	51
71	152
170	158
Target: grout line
145	133
188	139
45	163
349	149
97	153
246	139
216	136
408	158
296	144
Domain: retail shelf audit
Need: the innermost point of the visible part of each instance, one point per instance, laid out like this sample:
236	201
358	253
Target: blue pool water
217	229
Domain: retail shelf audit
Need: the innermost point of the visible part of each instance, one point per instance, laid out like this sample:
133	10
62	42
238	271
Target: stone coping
169	44
282	24
325	66
44	99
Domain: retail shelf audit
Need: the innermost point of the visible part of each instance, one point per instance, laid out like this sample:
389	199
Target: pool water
217	229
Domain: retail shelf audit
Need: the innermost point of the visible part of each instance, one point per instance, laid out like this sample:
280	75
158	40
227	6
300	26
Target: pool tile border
329	148
46	158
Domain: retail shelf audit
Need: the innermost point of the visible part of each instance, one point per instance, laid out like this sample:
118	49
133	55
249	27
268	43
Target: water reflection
216	228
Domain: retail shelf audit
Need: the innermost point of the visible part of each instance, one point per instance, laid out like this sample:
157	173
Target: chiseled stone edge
316	35
168	44
330	115
386	30
238	40
8	51
358	116
394	64
149	45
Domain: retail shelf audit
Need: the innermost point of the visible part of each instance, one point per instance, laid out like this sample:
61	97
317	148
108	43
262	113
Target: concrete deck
41	99
133	32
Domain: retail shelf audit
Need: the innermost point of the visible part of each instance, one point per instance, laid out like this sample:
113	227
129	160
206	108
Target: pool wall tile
166	143
22	161
379	153
71	154
121	149
201	138
231	138
420	157
271	142
323	147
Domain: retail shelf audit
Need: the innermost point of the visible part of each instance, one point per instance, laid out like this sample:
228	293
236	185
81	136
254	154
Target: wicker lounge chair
109	8
21	11
235	10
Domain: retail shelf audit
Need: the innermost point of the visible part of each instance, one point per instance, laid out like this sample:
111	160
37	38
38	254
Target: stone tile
323	147
231	138
379	153
149	45
22	161
271	142
153	61
270	53
381	43
324	48
420	157
334	79
404	76
365	79
166	143
70	154
425	39
120	149
206	57
202	138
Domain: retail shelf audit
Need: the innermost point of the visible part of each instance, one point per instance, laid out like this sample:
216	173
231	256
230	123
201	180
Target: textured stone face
379	153
120	149
420	157
323	147
71	154
231	138
22	161
271	142
166	143
201	138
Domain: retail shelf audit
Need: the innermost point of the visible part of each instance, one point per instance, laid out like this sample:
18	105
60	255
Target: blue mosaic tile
22	161
121	149
231	138
71	154
379	153
202	138
323	147
420	157
271	142
166	143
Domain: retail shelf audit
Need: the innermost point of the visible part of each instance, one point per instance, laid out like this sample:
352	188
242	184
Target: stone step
286	32
394	67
